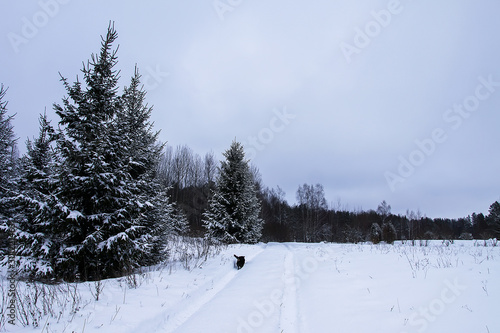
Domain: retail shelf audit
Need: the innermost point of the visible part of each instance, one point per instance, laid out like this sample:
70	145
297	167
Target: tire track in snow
179	318
289	311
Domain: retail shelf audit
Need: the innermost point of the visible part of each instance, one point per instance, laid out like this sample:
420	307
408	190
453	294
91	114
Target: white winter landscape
284	287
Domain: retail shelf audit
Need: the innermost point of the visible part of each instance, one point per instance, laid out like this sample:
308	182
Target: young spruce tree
233	214
37	236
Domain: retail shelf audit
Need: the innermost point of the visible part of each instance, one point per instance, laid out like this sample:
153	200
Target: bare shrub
191	252
35	300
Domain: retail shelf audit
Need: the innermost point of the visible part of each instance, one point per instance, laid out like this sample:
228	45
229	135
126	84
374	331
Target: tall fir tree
233	214
9	213
102	174
141	159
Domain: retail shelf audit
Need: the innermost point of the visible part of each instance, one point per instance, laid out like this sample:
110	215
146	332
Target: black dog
240	261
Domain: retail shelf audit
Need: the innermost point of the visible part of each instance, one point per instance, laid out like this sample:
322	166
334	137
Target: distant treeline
190	178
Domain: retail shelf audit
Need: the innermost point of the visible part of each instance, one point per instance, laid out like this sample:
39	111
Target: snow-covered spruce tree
8	171
36	234
142	157
233	214
38	163
142	151
104	173
389	233
375	233
493	219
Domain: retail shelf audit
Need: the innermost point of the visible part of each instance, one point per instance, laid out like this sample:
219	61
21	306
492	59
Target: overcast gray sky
375	100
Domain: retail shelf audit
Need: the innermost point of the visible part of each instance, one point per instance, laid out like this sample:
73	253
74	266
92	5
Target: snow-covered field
293	287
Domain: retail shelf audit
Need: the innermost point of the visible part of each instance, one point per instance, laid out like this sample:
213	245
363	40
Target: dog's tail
236	256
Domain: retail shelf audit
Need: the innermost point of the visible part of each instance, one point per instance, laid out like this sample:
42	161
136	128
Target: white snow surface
296	287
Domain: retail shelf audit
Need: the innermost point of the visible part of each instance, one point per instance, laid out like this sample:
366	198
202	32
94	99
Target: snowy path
260	298
289	302
194	306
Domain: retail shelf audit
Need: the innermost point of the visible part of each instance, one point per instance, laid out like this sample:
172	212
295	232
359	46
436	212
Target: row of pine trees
85	201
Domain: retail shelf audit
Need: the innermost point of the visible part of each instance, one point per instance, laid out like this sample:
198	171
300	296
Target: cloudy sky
375	100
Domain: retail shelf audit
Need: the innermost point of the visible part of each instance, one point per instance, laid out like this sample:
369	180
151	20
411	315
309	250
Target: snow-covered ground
294	287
